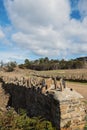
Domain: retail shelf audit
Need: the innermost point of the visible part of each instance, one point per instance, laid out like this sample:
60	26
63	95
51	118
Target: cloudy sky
42	28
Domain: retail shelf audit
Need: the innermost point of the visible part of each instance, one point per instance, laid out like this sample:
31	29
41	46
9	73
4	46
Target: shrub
13	121
10	66
21	66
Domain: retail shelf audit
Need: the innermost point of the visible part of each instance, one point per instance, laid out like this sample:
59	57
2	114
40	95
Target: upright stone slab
72	109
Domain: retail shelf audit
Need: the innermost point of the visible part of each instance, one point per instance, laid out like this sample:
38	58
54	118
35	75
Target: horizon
54	29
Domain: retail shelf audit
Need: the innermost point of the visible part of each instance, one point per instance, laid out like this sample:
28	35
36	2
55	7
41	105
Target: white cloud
26	13
82	6
2	35
44	27
11	56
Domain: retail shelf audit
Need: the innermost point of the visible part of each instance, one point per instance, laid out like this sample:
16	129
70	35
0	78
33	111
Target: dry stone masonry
45	97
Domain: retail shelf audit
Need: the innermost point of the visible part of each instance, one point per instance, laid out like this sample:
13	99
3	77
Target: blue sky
3	15
56	29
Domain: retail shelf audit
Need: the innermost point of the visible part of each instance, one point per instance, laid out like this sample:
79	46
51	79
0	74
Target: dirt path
79	87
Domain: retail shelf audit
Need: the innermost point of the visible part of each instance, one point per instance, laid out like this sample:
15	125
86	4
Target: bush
12	121
21	66
10	66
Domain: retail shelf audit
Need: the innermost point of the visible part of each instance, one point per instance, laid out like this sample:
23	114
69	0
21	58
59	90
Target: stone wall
4	97
65	109
72	113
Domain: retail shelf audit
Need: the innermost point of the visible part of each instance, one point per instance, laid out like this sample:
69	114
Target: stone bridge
44	97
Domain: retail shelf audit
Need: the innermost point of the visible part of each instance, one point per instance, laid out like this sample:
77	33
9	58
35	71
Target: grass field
72	74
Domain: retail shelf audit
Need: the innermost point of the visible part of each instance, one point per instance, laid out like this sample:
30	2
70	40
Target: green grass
85	101
77	82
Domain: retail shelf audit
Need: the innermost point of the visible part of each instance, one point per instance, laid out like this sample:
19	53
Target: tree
41	60
1	64
27	63
46	59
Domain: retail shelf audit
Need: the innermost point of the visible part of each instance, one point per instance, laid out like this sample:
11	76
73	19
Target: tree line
46	64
